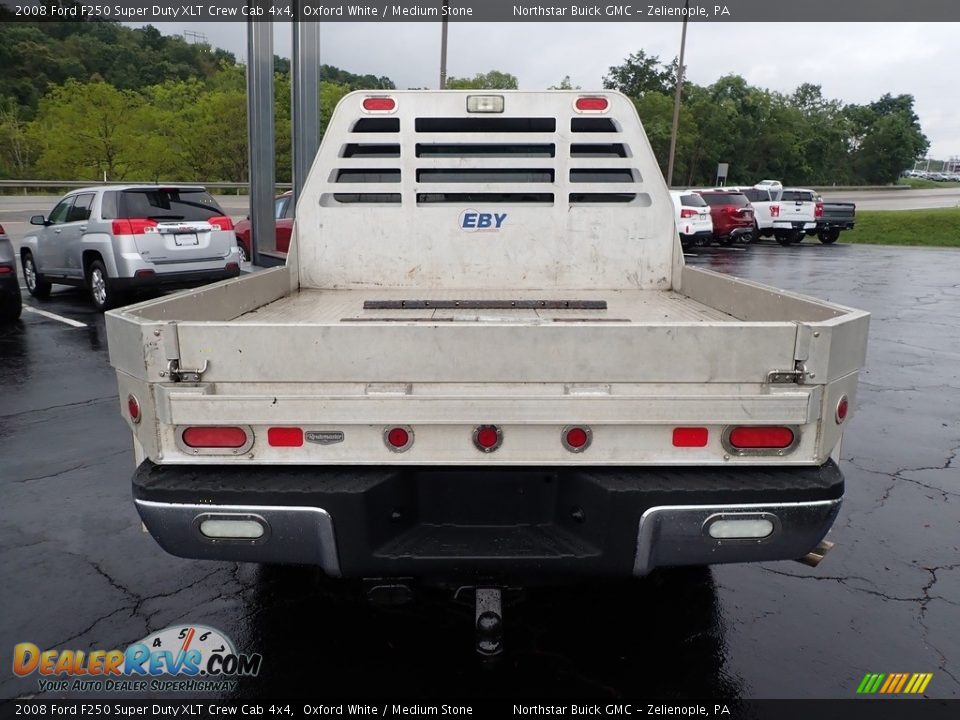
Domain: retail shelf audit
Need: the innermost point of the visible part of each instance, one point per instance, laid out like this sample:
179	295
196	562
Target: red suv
732	215
282	215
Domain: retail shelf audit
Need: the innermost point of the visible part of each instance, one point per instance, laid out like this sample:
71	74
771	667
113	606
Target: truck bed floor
337	306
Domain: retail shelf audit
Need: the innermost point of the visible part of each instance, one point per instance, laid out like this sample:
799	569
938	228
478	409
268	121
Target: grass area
921	184
935	228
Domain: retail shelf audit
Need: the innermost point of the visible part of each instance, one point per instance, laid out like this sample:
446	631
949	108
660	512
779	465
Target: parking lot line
54	316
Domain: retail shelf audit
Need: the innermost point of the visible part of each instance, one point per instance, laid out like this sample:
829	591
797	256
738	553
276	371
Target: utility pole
676	96
443	46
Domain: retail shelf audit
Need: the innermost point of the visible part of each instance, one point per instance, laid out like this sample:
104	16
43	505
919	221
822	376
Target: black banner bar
809	11
626	709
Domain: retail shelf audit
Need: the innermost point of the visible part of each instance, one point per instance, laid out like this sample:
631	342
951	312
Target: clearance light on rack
591	104
379	104
485	103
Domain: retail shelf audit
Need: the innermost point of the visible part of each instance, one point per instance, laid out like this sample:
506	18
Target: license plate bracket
185	239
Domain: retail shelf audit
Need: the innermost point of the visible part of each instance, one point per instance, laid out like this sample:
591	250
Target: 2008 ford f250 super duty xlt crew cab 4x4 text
485	364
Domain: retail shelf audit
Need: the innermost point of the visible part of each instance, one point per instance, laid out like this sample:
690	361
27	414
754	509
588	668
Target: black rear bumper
174	280
510	523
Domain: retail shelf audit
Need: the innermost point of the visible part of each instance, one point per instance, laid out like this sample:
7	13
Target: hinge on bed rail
797	375
178	374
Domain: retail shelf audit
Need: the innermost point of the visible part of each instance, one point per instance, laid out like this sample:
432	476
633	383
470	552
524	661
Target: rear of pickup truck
486	363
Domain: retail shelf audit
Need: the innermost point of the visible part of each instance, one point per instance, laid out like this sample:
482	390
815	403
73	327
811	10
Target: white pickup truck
486	364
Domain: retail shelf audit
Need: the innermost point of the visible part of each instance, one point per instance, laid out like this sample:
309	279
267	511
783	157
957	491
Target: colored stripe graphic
903	680
894	683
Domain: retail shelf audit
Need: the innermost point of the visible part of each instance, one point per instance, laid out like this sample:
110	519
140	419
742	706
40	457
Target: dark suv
732	215
10	302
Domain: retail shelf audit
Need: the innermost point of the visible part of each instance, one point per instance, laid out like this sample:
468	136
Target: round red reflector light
761	437
398	439
595	104
487	438
379	104
214	437
133	407
577	439
842	408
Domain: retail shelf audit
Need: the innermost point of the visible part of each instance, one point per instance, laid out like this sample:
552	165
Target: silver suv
115	239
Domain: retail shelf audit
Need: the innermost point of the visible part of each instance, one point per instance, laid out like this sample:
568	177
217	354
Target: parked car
694	223
731	213
116	239
799	210
283	217
834	217
10	302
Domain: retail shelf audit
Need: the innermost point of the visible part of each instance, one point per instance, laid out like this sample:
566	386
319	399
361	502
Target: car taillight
132	226
774	211
487	438
688	212
214	437
221	222
285	437
398	438
6	270
2	231
766	437
818	211
379	104
577	438
690	437
591	104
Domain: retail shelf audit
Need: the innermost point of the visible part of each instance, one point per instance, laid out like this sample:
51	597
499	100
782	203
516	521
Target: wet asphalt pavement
78	572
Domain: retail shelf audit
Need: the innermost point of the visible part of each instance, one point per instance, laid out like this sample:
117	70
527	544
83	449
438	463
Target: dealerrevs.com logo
192	658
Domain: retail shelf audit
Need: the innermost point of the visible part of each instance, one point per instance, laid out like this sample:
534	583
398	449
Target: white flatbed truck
485	363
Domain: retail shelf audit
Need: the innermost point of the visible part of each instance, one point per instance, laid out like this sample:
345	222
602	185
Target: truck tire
103	295
36	283
797	236
783	239
828	237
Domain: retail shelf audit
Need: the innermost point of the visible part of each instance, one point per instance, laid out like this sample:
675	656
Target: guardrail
73	184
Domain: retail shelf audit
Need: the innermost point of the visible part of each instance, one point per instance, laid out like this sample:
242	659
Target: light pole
676	96
443	46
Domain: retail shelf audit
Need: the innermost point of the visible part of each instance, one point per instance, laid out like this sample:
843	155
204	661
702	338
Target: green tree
493	80
564	85
84	131
17	146
639	74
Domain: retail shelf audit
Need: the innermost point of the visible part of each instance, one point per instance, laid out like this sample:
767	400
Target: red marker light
285	436
842	408
690	437
133	407
398	438
379	104
577	438
487	438
591	104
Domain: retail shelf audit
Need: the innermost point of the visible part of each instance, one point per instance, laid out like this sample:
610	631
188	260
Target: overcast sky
855	63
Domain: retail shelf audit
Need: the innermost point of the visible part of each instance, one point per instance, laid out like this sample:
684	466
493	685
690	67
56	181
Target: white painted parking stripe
54	316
